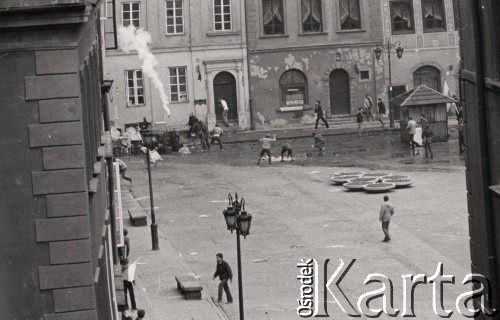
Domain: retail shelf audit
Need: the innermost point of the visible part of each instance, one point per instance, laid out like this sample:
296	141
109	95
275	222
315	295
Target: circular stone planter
377	175
379	187
400	183
353	173
356	185
343	179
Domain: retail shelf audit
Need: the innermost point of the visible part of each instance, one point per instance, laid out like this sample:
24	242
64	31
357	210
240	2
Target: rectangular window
434	20
402	17
135	87
175	19
311	16
222	15
130	14
178	84
364	75
349	15
273	18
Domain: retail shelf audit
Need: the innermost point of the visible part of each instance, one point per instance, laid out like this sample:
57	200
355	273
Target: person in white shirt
368	107
216	135
412	129
266	147
225	111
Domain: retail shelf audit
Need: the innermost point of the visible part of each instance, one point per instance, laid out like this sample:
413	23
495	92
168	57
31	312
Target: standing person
123	169
386	213
202	133
359	120
191	122
427	140
217	135
381	112
286	147
320	114
412	129
368	107
461	135
266	147
319	142
223	271
225	111
123	252
128	282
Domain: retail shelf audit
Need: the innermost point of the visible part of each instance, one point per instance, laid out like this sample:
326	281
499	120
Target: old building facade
306	50
427	31
201	53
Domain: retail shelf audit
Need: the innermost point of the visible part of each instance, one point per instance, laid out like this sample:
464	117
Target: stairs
342	119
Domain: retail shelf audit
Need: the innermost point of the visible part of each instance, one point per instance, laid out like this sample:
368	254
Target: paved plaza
298	214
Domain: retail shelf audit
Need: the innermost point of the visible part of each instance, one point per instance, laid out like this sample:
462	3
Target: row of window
273	16
135	86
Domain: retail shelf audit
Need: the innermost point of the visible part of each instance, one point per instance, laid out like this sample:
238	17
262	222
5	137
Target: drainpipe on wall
252	125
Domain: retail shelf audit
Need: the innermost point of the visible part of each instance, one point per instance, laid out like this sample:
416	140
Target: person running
123	170
381	112
427	141
368	107
266	147
223	271
225	111
320	114
286	148
359	120
412	129
319	142
386	213
217	135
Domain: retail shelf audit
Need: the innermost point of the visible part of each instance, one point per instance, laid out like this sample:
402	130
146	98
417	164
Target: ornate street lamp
148	138
399	53
238	219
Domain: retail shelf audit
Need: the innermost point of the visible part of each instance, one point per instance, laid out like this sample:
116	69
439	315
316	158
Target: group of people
201	132
426	136
366	113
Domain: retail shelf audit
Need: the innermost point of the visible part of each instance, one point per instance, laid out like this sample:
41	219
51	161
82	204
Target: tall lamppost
147	137
399	53
238	219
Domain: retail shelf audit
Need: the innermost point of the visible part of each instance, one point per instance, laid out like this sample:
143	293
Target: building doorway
225	88
340	97
429	76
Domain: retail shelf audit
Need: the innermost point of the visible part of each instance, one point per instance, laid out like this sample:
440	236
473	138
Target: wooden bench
189	287
138	217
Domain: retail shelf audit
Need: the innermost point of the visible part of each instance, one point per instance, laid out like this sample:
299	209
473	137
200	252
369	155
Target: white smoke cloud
130	38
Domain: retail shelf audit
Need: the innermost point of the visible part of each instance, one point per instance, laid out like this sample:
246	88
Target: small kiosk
423	100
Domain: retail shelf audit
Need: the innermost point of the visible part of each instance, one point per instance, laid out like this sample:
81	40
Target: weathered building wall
202	50
319	55
53	197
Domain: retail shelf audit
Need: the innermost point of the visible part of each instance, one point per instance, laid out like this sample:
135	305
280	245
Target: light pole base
154	236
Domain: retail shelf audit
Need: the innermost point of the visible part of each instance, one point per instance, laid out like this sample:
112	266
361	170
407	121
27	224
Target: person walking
386	213
320	114
217	135
223	271
368	104
412	129
286	148
225	111
381	112
266	147
359	120
202	133
123	169
128	282
319	142
123	252
427	140
461	135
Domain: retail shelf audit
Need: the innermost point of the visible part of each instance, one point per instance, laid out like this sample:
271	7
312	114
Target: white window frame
174	9
131	11
182	96
222	14
136	88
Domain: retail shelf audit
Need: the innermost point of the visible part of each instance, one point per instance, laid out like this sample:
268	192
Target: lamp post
238	219
147	137
399	53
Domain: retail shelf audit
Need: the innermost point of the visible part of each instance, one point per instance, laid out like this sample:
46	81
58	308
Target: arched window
293	87
429	76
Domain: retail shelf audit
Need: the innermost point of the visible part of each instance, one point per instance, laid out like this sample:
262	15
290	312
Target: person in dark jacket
202	133
359	120
223	271
320	114
427	140
191	122
381	112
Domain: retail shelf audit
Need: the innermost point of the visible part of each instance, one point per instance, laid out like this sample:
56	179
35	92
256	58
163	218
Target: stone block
59	181
52	86
61	229
79	315
64	252
70	204
60	110
68	157
65	276
55	134
74	299
56	62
